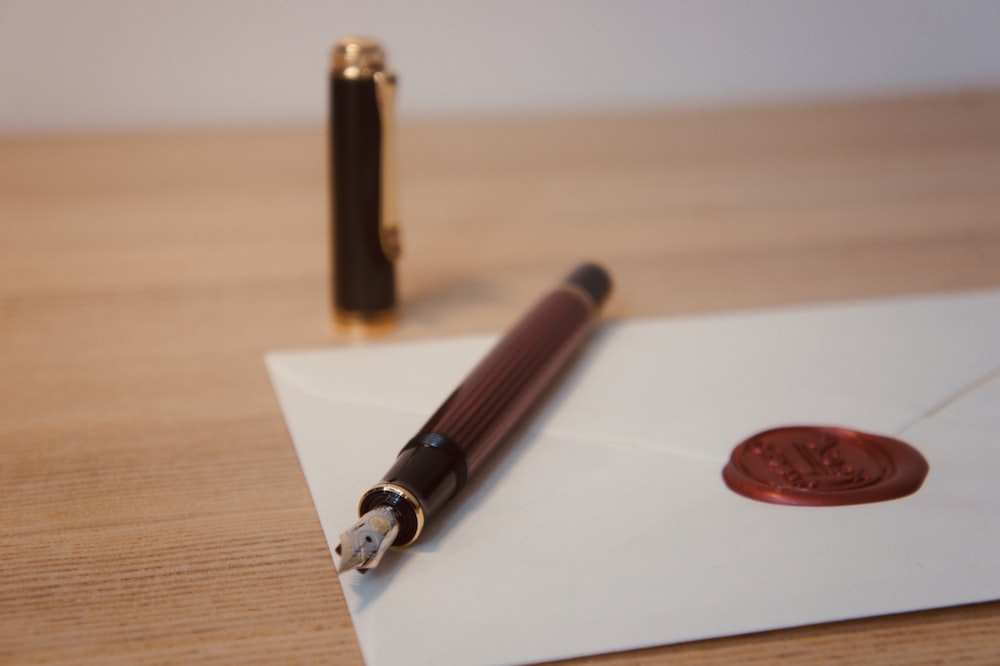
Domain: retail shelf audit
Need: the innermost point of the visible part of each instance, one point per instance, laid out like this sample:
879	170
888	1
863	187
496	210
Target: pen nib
364	543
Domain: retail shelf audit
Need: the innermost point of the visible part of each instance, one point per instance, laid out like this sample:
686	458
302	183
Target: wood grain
151	505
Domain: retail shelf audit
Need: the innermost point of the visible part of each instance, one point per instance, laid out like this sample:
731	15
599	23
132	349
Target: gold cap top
357	58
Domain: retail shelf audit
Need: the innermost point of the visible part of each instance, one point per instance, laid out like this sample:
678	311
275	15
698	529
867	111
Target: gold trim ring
407	497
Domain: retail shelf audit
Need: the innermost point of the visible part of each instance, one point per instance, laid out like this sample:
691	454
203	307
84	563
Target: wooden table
151	504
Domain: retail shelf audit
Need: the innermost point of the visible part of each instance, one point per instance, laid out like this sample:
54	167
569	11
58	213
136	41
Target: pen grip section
427	472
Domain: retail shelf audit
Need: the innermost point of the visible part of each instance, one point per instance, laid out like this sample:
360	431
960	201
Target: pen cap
364	236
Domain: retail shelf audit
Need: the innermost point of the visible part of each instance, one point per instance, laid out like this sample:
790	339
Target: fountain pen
475	419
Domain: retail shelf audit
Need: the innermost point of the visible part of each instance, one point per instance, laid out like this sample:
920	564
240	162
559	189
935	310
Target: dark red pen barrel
496	396
507	383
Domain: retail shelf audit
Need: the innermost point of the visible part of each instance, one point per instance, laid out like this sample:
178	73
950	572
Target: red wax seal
822	466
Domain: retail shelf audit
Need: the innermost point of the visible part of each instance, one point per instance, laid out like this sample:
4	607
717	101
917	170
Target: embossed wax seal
823	466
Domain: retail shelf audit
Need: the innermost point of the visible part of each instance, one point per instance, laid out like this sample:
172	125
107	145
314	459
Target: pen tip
363	545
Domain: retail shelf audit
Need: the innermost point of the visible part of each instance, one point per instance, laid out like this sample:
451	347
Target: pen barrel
363	270
492	400
508	382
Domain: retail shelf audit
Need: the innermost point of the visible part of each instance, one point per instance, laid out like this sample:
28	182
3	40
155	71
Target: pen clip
385	94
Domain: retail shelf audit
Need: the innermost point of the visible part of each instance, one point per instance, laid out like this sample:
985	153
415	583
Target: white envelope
605	525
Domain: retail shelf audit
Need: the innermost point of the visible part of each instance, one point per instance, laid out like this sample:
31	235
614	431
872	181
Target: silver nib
363	545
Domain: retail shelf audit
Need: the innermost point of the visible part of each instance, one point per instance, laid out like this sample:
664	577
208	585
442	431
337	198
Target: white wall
70	65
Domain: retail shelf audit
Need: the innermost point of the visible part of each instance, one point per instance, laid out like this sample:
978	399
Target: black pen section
364	276
431	467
